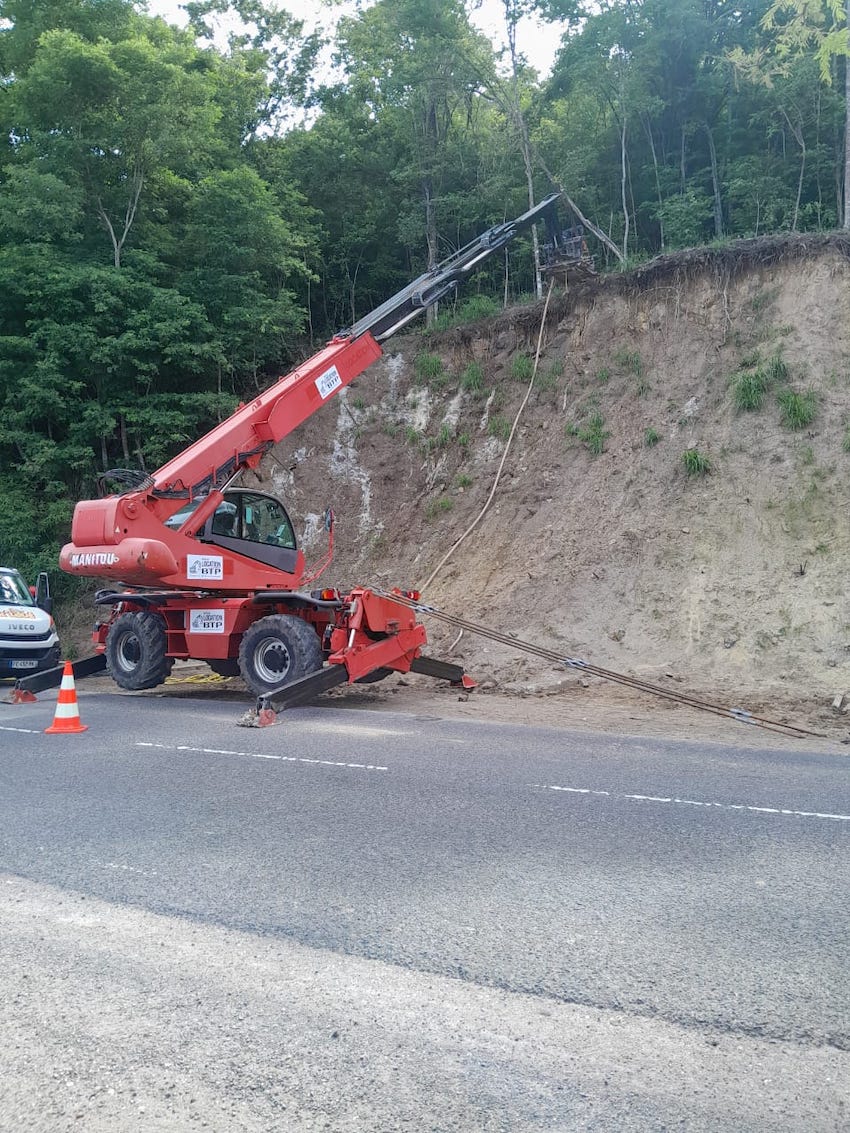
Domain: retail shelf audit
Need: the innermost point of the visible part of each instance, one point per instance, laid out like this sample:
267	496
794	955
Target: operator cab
249	523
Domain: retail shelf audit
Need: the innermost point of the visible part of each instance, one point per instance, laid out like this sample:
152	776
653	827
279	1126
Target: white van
28	638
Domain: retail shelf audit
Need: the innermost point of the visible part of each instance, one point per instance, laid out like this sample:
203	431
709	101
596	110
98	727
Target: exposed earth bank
730	583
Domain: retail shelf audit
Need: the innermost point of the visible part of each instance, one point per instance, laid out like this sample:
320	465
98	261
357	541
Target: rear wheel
277	650
135	651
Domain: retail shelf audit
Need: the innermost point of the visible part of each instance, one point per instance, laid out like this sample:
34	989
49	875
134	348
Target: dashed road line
369	731
673	800
261	755
26	731
123	868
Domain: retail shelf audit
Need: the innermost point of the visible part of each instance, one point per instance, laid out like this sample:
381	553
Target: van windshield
13	590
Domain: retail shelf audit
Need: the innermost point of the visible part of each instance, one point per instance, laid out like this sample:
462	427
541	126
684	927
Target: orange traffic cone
67	715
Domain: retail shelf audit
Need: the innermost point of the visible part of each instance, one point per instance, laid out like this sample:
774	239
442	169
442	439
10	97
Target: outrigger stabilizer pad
298	692
21	696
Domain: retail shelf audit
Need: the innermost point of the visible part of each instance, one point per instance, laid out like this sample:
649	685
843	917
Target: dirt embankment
730	583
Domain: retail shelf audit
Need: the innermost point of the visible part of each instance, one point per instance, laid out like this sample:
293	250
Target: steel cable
508	443
739	714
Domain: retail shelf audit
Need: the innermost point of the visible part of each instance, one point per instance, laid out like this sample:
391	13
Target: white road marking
123	868
260	755
28	731
694	802
358	729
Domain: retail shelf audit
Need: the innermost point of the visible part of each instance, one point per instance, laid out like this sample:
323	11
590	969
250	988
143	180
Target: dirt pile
730	580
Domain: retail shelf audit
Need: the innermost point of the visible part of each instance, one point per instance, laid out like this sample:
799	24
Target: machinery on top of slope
212	572
565	251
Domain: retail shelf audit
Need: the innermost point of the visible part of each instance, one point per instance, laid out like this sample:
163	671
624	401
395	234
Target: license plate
24	664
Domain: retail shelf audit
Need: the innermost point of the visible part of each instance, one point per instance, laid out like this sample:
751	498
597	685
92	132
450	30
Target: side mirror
42	593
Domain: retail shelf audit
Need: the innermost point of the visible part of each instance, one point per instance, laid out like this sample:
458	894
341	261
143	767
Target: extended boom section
444	279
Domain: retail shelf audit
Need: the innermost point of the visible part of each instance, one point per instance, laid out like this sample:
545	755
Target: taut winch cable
739	714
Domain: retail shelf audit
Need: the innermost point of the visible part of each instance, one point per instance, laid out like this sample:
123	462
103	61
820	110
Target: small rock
838	702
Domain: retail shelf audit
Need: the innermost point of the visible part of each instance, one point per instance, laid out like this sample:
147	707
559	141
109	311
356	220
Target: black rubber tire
277	650
224	667
135	651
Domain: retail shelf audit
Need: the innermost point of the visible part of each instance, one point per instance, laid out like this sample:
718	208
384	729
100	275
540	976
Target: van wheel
135	651
278	650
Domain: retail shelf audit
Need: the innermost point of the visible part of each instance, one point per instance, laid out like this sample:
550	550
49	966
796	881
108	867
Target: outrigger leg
306	689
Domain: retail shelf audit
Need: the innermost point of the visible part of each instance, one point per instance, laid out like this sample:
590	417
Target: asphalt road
372	921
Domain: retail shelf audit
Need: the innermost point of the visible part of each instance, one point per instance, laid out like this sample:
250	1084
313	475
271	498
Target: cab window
180	517
263	520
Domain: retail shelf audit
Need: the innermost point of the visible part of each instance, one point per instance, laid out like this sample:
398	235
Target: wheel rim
272	661
129	652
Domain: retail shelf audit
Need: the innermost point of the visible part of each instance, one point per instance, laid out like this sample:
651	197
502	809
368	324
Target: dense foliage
168	240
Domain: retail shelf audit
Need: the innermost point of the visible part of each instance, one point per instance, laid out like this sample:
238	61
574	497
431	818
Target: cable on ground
738	714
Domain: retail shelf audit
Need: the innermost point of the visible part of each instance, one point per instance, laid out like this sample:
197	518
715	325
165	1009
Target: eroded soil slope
732	582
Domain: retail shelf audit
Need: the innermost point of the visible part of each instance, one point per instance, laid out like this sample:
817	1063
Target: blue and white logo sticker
206	621
327	382
205	567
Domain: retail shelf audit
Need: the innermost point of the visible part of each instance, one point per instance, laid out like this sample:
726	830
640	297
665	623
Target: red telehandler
206	570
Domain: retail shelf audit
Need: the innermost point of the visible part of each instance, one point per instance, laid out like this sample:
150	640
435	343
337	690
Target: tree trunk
136	186
799	138
715	183
431	240
529	178
647	125
431	233
623	182
125	447
524	142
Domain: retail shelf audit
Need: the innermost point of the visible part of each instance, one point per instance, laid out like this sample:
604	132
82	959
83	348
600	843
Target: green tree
106	116
408	61
642	111
240	258
819	29
148	275
270	50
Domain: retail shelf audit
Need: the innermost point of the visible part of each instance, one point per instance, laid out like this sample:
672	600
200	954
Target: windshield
180	517
13	589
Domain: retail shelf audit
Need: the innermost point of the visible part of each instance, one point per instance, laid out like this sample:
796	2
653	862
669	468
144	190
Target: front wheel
135	651
277	650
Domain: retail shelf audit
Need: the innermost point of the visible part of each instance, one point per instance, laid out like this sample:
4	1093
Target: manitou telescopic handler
209	571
